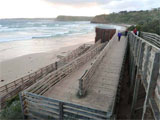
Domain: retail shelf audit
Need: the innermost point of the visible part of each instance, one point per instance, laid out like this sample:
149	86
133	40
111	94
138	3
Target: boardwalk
95	76
105	81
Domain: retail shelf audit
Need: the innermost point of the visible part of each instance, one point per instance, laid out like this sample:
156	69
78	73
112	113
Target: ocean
19	37
28	29
27	45
13	29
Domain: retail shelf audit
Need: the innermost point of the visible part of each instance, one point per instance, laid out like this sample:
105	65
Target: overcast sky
52	8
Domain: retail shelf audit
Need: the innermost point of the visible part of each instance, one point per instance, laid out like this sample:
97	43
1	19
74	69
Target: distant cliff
73	18
100	19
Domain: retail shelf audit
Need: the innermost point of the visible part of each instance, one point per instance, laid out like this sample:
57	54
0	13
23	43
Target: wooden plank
40	97
41	114
86	113
42	107
138	50
146	63
135	95
85	108
51	105
70	115
136	46
86	78
133	75
140	61
61	110
65	103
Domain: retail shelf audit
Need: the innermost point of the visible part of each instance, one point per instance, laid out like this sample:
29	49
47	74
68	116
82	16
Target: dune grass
12	110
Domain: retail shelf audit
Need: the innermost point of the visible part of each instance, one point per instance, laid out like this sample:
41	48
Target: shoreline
19	66
13	49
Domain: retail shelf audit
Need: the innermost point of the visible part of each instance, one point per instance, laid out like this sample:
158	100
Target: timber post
56	65
0	103
80	91
138	79
146	62
60	111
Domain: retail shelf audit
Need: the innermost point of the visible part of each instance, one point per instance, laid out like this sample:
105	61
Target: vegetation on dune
148	21
131	17
12	110
152	27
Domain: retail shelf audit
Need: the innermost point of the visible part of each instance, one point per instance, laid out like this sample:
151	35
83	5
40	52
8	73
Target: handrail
86	77
145	54
152	38
146	41
45	70
56	75
50	79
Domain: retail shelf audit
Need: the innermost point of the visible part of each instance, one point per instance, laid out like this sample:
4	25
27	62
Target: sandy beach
20	58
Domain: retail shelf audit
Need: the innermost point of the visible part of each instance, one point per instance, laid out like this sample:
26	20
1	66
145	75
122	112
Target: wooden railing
85	80
39	107
34	104
145	57
52	78
9	90
75	53
152	38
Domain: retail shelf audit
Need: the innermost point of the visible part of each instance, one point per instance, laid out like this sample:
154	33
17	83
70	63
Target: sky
53	8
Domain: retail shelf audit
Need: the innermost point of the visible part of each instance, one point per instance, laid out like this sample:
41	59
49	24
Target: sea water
28	29
19	37
13	29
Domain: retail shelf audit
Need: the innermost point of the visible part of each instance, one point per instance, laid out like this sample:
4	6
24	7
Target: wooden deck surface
105	80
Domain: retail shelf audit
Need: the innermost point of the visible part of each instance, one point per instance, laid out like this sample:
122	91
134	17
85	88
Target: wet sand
20	58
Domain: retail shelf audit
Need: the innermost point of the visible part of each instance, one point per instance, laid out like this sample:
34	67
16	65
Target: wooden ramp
102	92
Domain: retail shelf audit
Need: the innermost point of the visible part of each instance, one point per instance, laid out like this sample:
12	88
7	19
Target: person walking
126	33
135	31
119	36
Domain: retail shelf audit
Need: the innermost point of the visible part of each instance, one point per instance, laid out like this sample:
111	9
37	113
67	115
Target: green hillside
132	17
73	18
148	20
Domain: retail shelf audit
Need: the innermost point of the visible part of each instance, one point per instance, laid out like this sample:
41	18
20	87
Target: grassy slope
148	20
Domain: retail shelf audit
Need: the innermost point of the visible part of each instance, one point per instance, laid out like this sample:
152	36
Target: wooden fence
34	105
39	107
145	59
9	90
85	80
52	78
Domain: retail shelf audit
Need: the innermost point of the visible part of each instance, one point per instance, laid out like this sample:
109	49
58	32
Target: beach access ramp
86	88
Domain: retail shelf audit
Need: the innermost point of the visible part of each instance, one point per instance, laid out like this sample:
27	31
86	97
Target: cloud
131	5
110	5
81	2
52	8
95	7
